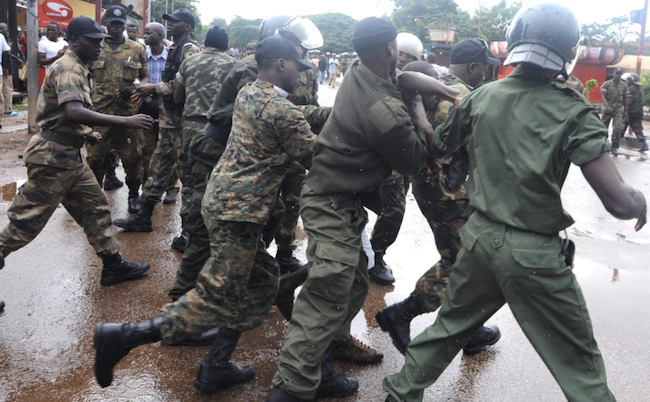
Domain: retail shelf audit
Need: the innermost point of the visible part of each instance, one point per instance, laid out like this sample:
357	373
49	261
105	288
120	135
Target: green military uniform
237	286
509	254
446	210
57	172
113	70
345	167
616	96
165	158
202	76
635	111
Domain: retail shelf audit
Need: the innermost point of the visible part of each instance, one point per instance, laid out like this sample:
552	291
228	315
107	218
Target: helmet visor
579	51
306	31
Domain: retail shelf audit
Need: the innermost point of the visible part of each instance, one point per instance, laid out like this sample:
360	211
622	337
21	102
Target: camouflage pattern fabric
307	91
190	130
268	134
617	118
127	142
393	203
572	83
38	198
235	288
635	103
171	119
615	94
149	145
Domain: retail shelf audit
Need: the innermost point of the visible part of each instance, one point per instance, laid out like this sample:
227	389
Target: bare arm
42	61
603	94
75	112
144	76
425	85
620	200
179	93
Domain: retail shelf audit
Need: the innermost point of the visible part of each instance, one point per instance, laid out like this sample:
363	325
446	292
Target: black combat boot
396	320
114	341
206	338
216	370
141	222
331	384
117	270
288	285
483	338
287	262
2	306
644	146
180	242
111	182
134	202
381	272
278	395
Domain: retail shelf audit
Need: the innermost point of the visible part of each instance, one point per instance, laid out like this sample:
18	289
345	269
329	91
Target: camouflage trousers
37	199
189	131
636	123
393	203
236	287
445	218
149	145
164	162
127	143
290	192
617	117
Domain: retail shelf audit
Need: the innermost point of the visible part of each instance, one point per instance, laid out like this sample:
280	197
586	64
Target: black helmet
545	34
269	26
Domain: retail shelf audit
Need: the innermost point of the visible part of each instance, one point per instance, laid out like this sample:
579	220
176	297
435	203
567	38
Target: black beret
217	37
372	32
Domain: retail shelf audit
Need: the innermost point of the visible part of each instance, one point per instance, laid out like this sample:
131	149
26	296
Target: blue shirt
156	66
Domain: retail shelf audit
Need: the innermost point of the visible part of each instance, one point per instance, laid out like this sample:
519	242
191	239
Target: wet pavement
53	298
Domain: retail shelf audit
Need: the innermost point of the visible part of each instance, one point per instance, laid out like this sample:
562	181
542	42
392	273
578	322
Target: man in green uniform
614	94
165	159
509	254
443	203
197	84
121	62
57	172
236	288
635	109
369	133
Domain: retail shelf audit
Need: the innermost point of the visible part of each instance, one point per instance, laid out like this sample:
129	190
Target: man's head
154	34
252	47
217	38
432	57
374	39
633	79
280	63
618	73
115	18
85	38
4	29
180	23
428	101
53	31
469	60
410	48
132	31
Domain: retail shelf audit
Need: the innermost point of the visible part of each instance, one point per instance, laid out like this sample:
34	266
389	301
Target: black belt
69	140
200	119
217	133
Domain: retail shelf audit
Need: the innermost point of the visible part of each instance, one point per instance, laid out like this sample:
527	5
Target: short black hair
131	26
420	66
55	23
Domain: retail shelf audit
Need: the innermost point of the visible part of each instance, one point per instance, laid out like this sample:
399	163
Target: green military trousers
163	164
617	117
533	274
37	199
333	294
190	130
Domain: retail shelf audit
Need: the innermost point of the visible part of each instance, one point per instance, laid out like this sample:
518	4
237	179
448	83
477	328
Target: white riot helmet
410	44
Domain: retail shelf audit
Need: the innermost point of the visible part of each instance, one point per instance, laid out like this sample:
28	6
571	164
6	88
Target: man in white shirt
52	47
5	48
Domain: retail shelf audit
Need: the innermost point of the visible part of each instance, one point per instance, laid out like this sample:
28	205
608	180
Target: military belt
200	119
217	133
69	140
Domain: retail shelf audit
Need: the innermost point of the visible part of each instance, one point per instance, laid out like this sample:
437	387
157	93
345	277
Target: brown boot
356	352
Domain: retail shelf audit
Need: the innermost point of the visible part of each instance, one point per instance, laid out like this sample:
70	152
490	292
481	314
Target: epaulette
569	90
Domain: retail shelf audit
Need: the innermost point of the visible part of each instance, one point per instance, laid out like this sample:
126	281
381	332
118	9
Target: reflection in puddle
8	191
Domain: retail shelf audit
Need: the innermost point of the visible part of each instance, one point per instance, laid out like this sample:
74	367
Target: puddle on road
8	191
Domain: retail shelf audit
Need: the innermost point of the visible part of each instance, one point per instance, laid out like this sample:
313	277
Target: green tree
242	31
414	16
492	23
216	21
615	30
158	9
337	31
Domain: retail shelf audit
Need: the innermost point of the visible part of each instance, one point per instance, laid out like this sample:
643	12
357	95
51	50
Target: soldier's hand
93	138
641	219
140	121
142	92
125	93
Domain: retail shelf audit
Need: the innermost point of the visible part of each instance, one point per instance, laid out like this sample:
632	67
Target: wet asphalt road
53	298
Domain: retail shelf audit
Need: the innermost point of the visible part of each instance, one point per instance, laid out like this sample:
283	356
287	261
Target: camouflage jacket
635	103
572	83
116	69
615	94
268	134
68	80
307	91
202	75
170	119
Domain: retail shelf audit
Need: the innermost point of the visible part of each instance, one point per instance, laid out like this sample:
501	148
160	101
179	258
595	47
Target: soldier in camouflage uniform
614	94
198	81
236	288
122	62
57	172
635	109
443	202
165	158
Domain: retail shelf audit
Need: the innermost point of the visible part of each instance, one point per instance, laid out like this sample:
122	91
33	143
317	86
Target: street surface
53	298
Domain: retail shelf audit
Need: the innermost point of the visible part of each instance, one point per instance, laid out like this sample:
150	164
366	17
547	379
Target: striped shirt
156	65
